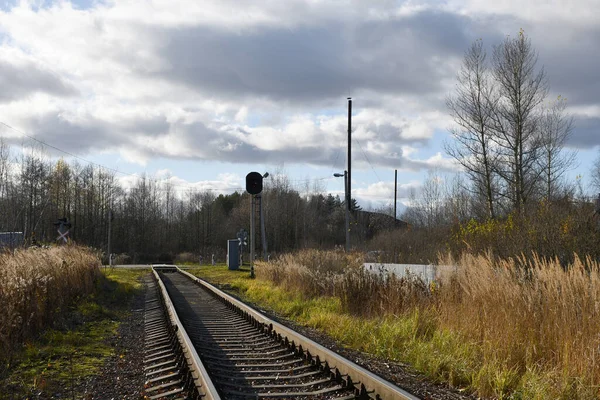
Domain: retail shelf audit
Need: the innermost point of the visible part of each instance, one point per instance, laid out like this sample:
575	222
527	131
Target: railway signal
254	186
254	183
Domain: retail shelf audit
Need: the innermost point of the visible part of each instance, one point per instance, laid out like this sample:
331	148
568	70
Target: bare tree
471	108
555	128
4	168
5	203
33	183
516	117
427	209
413	213
595	173
457	206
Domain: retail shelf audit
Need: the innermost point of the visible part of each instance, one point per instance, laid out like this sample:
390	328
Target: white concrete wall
427	273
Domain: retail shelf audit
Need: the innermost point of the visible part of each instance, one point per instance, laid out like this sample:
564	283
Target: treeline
155	220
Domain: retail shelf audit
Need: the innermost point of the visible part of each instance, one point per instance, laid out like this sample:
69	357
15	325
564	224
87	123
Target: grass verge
494	329
59	360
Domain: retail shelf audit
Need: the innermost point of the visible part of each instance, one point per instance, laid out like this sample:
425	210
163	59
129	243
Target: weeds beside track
517	328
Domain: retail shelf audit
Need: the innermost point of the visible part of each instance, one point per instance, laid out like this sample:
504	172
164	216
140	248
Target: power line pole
347	214
348	175
348	193
395	195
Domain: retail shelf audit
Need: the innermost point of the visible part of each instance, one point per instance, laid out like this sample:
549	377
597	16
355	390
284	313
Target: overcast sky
206	91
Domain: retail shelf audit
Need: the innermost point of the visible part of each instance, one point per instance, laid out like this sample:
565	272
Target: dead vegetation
36	286
525	327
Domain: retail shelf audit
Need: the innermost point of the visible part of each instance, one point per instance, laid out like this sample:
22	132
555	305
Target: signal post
254	186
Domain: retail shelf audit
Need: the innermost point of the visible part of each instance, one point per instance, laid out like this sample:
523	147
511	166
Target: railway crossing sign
242	236
63	229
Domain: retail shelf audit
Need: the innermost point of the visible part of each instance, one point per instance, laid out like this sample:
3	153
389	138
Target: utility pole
348	175
347	213
395	195
349	185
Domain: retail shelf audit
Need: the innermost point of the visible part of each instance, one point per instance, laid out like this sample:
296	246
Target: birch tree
555	128
471	109
516	118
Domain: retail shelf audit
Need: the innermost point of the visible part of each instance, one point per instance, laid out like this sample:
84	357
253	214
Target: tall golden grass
529	314
530	320
334	273
36	286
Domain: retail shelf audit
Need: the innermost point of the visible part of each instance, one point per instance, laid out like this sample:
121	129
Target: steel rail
165	368
203	382
365	381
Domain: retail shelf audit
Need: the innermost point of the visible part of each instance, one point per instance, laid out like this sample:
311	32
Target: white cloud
235	82
385	190
534	10
438	161
590	111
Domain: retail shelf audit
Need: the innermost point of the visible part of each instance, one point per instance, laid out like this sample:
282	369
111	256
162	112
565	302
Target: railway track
224	349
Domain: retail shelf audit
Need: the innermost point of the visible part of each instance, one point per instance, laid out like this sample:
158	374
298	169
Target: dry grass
528	315
312	273
334	273
528	328
36	286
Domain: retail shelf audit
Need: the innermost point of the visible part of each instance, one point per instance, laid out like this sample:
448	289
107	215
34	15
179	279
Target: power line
158	181
337	155
64	151
190	186
367	158
308	179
